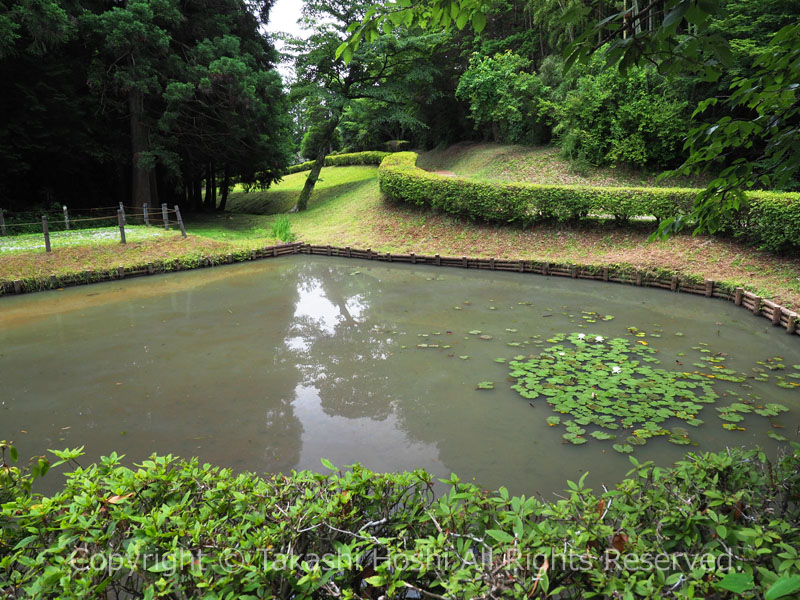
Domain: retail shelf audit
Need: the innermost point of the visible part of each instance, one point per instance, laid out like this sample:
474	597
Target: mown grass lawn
542	164
31	242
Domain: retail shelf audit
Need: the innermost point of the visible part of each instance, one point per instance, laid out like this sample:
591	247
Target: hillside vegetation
536	164
347	209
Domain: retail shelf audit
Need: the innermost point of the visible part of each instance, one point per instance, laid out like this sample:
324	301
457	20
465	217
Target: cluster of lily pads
615	387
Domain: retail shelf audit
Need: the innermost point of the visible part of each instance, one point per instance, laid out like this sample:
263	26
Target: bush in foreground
723	525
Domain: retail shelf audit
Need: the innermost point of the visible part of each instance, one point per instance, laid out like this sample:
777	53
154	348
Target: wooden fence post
2	223
146	217
737	299
757	306
121	221
791	326
66	218
122	210
709	288
164	216
180	220
46	233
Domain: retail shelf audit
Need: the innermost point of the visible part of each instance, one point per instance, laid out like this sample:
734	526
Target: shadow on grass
273	202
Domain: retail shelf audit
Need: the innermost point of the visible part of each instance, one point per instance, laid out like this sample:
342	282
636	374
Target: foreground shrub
769	220
343	160
725	525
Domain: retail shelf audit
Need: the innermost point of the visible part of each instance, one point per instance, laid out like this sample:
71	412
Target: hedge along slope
769	220
343	160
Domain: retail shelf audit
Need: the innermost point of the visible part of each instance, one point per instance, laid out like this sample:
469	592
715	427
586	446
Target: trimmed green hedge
343	160
769	220
723	525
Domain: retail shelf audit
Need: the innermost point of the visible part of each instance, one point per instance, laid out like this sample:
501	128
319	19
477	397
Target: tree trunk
197	191
226	182
154	196
319	162
140	184
209	203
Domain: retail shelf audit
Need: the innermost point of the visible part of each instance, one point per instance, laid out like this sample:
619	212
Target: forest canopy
142	101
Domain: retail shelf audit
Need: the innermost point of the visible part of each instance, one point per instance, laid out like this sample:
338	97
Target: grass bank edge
198	259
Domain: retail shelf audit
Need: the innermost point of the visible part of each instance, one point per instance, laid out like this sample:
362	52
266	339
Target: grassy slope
534	165
347	209
355	215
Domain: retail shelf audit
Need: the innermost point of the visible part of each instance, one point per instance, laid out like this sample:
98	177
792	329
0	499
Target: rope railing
159	217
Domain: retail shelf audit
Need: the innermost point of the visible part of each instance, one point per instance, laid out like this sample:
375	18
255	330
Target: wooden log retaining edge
778	315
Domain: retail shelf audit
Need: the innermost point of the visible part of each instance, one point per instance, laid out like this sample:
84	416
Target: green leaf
500	536
478	21
737	583
788	584
328	464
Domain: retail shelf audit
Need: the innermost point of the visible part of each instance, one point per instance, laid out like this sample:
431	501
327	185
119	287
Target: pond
272	366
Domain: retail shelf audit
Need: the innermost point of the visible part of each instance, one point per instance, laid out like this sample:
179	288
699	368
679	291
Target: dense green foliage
603	117
723	525
140	101
504	97
343	160
735	60
767	219
367	93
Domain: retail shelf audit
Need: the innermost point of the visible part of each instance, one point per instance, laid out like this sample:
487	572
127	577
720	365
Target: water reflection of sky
345	441
314	307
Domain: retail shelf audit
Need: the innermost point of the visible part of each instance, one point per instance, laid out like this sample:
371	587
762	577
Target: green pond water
273	365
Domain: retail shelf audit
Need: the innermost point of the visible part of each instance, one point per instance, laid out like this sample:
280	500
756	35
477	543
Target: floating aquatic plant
616	384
